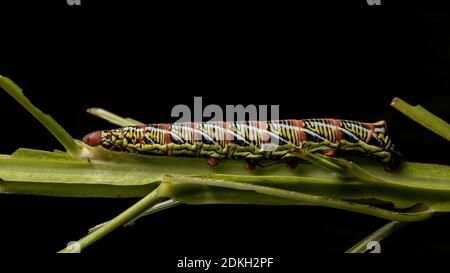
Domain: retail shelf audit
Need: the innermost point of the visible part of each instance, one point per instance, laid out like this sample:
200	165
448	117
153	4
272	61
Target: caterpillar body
253	140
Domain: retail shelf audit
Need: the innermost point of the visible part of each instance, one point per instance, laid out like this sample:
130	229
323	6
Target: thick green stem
123	218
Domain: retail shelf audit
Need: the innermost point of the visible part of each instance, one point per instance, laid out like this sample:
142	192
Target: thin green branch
133	121
321	161
388	229
156	208
125	217
384	232
55	129
423	117
112	118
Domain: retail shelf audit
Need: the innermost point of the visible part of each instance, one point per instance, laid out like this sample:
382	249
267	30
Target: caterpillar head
116	139
100	138
94	138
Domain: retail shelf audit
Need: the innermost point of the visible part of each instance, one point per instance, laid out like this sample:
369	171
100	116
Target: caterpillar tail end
394	162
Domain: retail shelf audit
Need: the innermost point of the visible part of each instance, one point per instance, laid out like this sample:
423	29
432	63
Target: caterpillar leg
292	165
213	161
250	164
291	162
329	152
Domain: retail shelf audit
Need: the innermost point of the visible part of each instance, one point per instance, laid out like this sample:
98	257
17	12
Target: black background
341	59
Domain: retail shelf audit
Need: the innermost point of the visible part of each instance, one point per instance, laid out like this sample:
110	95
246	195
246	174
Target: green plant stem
141	206
55	129
423	117
106	169
156	208
382	233
178	183
112	118
320	161
388	229
175	187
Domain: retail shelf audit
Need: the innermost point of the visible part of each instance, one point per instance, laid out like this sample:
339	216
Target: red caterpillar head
116	139
93	139
101	138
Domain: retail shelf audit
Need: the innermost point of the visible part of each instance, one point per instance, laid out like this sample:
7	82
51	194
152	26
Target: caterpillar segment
253	140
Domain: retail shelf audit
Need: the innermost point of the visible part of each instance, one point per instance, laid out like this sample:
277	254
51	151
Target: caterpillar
253	140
